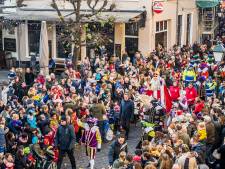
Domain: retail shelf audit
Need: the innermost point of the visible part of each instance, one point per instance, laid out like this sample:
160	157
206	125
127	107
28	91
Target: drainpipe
18	42
177	5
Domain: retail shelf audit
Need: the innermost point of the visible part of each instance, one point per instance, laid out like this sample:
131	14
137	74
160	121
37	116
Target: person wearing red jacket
174	91
198	106
191	94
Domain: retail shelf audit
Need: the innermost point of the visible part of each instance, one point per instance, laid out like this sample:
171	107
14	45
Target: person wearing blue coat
126	113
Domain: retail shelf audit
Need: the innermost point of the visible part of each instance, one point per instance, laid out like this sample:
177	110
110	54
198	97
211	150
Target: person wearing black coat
126	113
116	147
29	77
43	124
221	150
65	140
21	162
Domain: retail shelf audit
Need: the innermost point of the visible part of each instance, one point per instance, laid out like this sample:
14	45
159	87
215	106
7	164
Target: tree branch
55	6
19	3
95	11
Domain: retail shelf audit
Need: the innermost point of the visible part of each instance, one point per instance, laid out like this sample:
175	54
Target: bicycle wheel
52	166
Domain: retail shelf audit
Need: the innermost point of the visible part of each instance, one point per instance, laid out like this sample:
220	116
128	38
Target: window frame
36	40
163	28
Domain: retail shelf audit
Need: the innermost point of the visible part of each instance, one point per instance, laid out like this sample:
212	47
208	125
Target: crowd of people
177	96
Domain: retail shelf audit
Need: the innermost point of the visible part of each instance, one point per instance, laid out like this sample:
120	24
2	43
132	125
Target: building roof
34	10
51	15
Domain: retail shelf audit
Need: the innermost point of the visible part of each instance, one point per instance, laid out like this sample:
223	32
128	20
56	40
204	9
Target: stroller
148	132
45	158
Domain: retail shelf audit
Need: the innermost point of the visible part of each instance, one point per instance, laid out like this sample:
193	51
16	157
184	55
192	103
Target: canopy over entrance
207	3
120	16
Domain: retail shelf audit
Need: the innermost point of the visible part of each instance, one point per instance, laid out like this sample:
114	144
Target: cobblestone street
102	157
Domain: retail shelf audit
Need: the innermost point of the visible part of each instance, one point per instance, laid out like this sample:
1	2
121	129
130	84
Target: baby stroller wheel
53	166
49	165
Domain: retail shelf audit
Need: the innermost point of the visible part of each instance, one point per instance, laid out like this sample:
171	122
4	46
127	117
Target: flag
165	98
162	95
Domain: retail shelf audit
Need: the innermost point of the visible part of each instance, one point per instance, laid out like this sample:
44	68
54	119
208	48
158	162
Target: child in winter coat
201	130
116	115
198	106
2	136
8	162
120	161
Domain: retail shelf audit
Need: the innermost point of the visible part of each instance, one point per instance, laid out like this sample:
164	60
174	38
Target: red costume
174	92
191	94
198	107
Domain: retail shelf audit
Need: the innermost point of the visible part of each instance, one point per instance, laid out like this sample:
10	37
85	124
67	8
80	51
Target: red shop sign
157	7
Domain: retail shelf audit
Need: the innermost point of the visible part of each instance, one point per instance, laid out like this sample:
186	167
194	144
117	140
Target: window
34	30
131	39
157	26
161	34
179	29
161	26
131	29
1	46
64	48
2	2
165	25
188	29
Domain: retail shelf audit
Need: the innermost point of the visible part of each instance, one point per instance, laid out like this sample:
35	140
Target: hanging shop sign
157	7
10	44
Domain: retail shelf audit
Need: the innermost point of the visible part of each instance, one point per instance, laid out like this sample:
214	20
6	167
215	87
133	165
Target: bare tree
75	22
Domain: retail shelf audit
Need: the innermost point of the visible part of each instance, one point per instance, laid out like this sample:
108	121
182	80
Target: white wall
5	34
147	34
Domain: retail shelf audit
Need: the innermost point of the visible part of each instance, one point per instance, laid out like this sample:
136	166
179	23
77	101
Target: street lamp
218	52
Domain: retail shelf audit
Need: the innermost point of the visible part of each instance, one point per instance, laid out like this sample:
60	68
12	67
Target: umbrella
43	50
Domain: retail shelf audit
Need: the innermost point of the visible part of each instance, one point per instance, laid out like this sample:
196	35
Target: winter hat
29	103
210	59
63	118
11	75
72	89
207	118
92	120
137	158
14	97
201	79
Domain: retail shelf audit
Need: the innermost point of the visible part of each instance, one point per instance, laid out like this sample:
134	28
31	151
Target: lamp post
219	19
218	52
219	14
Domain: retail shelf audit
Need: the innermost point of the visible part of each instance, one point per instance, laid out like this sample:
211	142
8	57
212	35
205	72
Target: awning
207	3
4	14
119	16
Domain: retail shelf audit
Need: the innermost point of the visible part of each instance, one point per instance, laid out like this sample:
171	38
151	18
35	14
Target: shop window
64	48
161	39
161	34
106	39
179	30
188	32
131	39
34	30
131	47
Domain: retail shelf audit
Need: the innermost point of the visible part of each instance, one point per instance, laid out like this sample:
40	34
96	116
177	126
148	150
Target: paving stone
101	161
